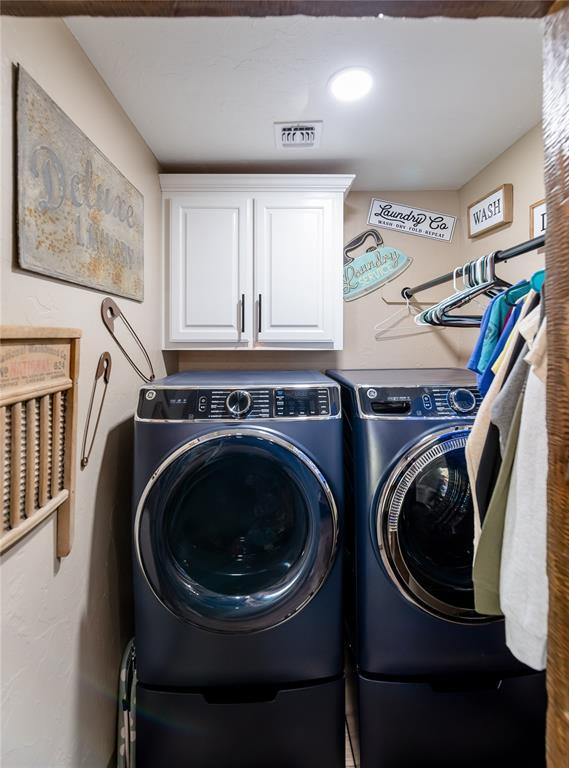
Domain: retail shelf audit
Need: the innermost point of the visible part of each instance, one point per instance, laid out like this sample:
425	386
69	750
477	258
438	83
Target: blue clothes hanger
537	280
513	294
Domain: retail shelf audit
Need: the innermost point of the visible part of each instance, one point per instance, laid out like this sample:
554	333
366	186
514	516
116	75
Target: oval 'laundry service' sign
373	268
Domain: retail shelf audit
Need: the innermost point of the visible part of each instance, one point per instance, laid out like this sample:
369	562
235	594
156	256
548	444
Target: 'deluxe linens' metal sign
79	218
411	220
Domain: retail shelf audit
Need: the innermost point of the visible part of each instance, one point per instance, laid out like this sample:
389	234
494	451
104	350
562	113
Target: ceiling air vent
298	135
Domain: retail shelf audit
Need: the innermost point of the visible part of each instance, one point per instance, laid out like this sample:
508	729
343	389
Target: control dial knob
462	400
239	402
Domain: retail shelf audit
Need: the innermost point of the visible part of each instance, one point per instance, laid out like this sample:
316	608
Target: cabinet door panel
210	268
297	268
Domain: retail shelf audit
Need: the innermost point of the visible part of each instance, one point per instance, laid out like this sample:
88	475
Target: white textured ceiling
449	95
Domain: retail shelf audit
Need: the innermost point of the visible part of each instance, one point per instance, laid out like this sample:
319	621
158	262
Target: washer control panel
163	404
419	402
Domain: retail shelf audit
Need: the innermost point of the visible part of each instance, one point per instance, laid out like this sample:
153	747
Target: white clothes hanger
404	310
479	277
408	309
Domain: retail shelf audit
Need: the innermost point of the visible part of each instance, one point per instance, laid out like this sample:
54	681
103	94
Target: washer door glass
426	526
237	532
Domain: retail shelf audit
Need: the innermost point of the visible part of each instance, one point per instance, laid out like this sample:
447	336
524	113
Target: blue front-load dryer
237	570
435	684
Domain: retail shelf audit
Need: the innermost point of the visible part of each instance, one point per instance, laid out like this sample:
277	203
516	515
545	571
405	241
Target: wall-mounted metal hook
110	312
103	371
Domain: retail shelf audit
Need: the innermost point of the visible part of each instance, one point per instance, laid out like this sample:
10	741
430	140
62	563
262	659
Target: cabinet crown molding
255	182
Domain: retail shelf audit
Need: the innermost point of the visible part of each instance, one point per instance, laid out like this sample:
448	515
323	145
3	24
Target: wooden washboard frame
39	369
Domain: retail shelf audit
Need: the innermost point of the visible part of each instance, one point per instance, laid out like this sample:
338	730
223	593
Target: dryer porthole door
236	531
425	526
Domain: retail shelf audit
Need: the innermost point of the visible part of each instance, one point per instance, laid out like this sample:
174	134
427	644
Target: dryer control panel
165	404
419	402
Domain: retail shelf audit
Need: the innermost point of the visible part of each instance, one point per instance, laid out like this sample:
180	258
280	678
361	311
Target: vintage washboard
39	369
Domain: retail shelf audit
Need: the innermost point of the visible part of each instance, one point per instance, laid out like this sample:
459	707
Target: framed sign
411	220
537	219
79	218
372	268
491	211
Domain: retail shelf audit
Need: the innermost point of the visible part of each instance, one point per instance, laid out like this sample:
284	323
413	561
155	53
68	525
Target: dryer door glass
426	526
238	531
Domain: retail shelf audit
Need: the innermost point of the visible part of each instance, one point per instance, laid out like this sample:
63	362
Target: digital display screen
172	404
301	402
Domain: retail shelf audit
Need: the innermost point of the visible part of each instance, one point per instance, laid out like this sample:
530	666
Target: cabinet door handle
242	313
260	311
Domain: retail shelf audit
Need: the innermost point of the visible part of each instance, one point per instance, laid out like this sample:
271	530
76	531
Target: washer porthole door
425	526
237	531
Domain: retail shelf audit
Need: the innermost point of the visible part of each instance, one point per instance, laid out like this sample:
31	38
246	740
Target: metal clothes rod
509	253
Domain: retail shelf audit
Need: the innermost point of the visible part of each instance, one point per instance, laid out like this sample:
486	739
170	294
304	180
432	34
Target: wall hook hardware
110	312
405	302
103	371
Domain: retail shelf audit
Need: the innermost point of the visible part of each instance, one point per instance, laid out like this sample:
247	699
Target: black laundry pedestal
301	727
451	724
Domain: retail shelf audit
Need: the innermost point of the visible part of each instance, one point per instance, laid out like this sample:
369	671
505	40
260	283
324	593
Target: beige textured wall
520	165
403	344
64	623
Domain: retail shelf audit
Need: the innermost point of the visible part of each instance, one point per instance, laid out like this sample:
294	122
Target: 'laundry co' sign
411	220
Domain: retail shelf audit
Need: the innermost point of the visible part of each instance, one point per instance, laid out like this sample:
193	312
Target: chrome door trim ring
262	434
386	528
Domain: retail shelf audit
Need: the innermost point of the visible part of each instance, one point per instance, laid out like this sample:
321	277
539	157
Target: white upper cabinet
210	268
253	261
298	268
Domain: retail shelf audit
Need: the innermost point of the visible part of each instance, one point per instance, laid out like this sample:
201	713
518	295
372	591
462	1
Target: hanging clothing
474	362
478	435
535	300
501	310
504	407
485	379
493	481
501	415
529	325
488	556
492	325
523	573
537	355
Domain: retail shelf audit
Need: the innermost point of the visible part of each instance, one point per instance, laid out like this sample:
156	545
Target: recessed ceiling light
351	84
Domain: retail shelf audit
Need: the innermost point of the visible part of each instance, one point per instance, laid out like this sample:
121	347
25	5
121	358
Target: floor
352	745
349	754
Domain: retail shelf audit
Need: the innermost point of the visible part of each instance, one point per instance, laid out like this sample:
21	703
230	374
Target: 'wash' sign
411	220
491	211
